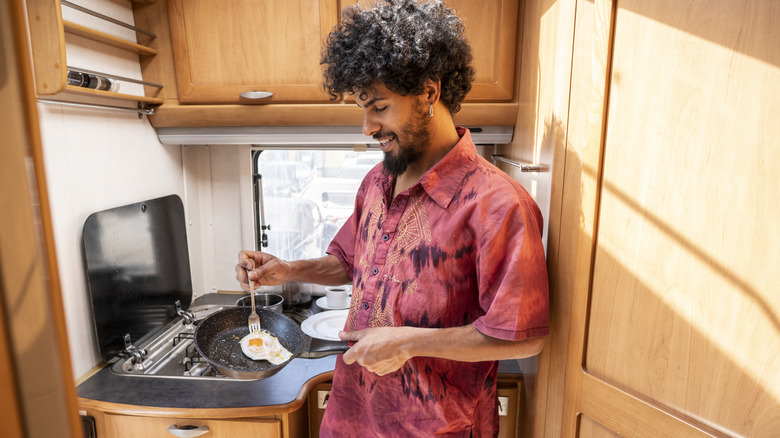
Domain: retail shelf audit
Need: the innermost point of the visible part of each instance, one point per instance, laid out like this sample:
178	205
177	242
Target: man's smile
385	141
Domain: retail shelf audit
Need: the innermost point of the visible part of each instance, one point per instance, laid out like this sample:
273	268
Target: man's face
400	123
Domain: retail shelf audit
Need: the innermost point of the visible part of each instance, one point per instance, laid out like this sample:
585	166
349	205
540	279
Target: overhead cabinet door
492	28
224	49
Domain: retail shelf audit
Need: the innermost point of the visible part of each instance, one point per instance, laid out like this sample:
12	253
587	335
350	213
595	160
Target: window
307	195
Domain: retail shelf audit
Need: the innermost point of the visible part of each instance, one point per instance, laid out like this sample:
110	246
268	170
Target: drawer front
123	426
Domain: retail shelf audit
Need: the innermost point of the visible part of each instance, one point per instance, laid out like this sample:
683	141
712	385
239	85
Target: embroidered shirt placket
378	275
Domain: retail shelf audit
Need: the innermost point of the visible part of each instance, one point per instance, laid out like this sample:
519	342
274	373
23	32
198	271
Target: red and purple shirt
461	246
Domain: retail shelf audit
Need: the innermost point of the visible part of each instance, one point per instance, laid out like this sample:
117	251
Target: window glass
307	196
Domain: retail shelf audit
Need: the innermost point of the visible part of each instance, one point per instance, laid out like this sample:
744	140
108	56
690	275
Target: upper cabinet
257	63
244	50
492	29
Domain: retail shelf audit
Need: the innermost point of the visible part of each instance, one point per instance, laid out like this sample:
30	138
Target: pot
263	301
218	337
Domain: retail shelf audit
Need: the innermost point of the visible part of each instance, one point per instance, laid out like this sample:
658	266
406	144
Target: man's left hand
380	350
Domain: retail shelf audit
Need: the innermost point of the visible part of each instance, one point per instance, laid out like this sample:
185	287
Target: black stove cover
137	266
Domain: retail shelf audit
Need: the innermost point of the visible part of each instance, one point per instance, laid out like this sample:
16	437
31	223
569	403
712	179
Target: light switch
322	399
503	406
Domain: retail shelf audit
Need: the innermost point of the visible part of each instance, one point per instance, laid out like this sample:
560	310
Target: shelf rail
140	111
112	76
106	18
524	167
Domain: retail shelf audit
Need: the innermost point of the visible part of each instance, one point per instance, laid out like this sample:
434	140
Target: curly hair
400	44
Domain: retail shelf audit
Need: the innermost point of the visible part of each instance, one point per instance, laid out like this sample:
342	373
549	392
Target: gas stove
170	351
140	285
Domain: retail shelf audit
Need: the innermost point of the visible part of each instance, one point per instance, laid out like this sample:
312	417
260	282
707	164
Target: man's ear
431	91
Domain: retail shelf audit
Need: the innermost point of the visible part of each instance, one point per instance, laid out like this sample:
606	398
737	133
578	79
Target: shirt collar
442	181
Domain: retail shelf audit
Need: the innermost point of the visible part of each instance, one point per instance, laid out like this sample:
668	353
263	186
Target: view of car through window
307	196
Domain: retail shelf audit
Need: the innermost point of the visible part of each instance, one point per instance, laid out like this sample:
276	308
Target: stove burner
182	336
172	353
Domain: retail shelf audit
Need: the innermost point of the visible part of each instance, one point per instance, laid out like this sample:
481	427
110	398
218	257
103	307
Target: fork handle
251	290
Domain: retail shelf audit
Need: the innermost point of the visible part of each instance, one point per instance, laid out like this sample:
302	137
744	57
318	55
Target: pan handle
187	431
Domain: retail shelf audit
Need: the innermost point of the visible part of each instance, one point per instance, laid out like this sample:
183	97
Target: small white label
503	406
322	399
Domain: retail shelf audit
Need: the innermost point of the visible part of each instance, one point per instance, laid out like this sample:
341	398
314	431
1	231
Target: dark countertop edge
206	412
176	397
173	397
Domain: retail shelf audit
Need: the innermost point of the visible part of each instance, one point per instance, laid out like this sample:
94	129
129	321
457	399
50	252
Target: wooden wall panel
37	396
685	310
674	310
589	428
543	76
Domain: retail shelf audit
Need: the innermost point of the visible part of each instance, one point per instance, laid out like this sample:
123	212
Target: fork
254	318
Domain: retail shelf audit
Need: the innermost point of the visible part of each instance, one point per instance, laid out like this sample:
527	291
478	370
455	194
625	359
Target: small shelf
50	66
95	35
131	97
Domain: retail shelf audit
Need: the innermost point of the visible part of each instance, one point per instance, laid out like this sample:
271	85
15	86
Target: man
443	250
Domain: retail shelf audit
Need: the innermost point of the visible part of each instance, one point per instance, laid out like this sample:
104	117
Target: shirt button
375	271
385	237
365	306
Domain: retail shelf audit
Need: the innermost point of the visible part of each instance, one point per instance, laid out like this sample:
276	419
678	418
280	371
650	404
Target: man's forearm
327	271
383	350
467	344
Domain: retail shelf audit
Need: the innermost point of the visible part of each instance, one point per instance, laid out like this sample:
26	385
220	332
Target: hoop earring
430	111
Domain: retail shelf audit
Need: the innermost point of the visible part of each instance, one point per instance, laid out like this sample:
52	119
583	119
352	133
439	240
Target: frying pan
217	340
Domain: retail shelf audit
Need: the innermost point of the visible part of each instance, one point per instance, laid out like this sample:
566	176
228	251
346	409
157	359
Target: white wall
93	162
218	203
96	160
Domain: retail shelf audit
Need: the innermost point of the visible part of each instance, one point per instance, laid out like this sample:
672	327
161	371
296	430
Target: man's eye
380	109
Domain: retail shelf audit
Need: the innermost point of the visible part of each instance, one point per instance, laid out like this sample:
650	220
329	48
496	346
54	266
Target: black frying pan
217	340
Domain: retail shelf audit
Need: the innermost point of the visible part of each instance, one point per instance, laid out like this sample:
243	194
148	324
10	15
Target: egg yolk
256	342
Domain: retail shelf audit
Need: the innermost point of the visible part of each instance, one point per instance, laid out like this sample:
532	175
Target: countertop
289	387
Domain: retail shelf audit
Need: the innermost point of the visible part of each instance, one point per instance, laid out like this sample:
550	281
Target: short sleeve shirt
461	246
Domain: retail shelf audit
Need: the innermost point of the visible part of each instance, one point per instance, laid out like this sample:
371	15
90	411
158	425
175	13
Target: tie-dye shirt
461	246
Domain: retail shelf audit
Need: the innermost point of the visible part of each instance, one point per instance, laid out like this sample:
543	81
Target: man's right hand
264	269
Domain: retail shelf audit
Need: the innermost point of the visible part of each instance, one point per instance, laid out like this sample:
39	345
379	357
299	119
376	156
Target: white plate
325	325
323	303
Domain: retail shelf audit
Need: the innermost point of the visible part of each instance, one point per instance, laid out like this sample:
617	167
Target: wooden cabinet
124	421
492	27
508	409
509	391
124	426
665	257
211	52
223	49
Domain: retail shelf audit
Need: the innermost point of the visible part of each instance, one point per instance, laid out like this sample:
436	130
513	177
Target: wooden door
37	394
675	316
222	49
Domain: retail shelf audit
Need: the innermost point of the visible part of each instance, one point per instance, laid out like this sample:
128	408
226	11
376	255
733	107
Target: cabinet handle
256	94
187	431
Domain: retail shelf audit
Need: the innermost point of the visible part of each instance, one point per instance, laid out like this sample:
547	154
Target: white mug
337	297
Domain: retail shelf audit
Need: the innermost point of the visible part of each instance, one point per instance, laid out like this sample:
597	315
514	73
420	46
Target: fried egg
264	346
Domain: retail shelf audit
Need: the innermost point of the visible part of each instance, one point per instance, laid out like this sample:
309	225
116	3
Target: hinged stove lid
137	267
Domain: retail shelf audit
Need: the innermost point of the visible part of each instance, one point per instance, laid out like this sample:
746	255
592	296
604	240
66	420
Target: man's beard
416	135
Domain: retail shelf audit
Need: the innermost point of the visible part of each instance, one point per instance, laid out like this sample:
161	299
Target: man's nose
370	126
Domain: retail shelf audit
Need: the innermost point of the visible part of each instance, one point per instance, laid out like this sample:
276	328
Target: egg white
264	346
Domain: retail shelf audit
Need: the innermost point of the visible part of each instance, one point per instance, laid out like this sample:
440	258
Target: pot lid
138	266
